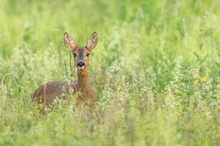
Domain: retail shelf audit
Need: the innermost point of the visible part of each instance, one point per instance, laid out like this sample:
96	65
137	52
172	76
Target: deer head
81	54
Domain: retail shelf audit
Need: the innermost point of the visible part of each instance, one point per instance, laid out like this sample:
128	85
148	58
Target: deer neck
83	80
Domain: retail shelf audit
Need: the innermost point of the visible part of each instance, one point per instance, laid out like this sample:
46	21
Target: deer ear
69	42
92	42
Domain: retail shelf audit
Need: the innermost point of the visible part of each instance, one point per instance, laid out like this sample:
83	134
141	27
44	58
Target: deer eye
74	54
87	54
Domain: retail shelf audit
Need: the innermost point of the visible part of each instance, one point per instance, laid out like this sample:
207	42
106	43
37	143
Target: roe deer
47	92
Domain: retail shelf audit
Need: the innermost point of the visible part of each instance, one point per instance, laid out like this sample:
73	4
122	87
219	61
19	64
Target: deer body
46	93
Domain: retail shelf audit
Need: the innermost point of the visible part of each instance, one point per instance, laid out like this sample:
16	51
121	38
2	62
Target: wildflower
202	79
208	69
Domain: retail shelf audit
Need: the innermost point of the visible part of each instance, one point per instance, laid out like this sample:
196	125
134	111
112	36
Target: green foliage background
155	72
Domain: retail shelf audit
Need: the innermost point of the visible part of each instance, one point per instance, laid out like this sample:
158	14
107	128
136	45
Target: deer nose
80	64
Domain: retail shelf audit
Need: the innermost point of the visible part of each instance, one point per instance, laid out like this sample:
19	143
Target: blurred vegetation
155	72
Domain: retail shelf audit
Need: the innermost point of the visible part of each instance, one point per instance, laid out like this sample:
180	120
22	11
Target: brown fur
46	93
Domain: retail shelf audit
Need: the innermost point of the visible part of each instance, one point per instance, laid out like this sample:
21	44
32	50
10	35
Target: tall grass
155	72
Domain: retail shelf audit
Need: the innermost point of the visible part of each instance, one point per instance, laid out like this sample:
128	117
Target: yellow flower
208	69
202	79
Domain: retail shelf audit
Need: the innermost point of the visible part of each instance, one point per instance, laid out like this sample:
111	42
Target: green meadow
155	72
